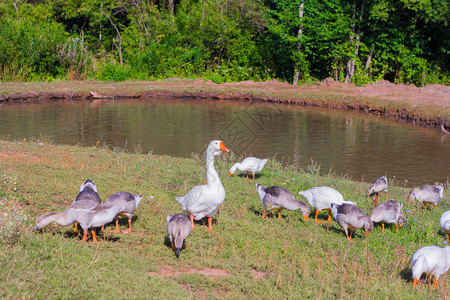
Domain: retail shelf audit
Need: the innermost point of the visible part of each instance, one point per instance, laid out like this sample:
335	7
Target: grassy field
244	257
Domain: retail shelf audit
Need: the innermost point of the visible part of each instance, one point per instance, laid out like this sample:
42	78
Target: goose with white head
204	200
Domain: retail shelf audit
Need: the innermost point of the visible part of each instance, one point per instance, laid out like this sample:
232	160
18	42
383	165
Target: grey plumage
276	197
430	194
88	193
350	216
388	212
380	185
178	228
128	204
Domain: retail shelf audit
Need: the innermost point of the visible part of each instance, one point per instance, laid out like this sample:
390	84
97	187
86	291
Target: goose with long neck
203	200
87	215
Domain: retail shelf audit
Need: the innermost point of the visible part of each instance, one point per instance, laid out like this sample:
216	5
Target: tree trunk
297	67
351	64
171	6
369	59
119	39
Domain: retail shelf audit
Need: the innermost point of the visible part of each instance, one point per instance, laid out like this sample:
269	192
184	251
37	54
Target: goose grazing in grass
388	212
128	204
204	200
429	194
380	185
444	221
178	228
432	260
350	216
249	165
89	195
88	215
321	198
279	198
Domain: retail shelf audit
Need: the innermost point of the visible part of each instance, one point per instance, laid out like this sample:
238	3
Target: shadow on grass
406	274
102	235
250	177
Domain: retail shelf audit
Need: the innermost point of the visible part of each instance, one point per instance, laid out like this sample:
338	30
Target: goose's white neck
212	177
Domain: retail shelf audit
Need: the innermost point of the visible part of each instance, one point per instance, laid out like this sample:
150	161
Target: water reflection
360	145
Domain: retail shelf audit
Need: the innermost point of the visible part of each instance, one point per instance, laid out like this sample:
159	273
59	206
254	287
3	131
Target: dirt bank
428	105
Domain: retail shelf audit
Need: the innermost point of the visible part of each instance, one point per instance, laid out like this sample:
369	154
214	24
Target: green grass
265	258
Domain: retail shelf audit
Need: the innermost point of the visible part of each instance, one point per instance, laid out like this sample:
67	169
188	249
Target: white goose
203	200
429	194
433	260
444	221
249	165
321	198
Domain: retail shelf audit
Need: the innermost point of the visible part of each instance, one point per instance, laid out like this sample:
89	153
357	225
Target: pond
360	145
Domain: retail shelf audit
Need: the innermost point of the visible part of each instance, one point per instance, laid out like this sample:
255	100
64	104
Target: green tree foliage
404	41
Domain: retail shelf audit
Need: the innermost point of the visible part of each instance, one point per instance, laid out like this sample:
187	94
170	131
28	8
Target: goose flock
202	201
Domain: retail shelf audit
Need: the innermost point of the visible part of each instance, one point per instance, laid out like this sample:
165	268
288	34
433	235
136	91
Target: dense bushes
225	40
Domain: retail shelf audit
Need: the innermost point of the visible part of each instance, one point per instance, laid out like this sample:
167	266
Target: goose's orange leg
346	233
414	282
117	226
448	237
329	214
94	237
315	220
192	221
264	214
128	231
75	230
84	239
382	226
375	201
396	227
210	224
253	177
435	283
247	175
279	214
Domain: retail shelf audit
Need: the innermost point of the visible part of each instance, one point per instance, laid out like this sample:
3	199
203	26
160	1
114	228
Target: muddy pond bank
429	105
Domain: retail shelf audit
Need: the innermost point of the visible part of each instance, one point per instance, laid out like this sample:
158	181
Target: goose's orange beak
223	148
231	174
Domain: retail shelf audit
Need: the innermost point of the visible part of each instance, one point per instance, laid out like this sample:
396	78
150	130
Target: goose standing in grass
279	198
388	212
128	204
88	215
433	260
204	200
444	221
249	165
380	185
321	198
429	194
178	228
350	216
89	195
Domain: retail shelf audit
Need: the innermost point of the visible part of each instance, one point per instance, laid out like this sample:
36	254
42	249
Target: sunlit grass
265	258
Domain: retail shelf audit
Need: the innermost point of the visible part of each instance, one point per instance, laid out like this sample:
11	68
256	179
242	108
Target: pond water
360	145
